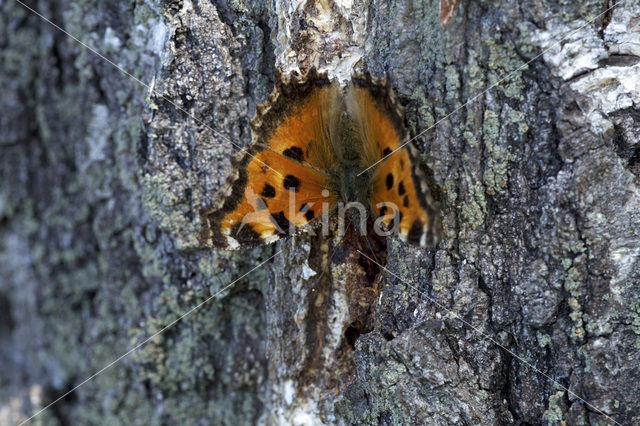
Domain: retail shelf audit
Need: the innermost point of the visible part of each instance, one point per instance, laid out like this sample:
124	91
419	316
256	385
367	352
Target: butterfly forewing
277	184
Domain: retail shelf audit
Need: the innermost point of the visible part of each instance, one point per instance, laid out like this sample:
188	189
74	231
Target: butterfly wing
276	184
402	198
400	195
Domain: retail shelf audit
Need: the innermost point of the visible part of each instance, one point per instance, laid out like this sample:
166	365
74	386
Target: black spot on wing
401	189
389	181
383	210
308	213
283	225
386	152
291	183
268	191
405	201
425	200
295	153
415	232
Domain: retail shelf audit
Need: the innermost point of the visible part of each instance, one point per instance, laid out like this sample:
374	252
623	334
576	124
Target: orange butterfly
317	146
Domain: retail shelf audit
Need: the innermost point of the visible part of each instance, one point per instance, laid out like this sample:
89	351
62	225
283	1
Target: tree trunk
528	311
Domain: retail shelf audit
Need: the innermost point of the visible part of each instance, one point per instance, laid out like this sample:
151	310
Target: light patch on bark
608	88
622	35
338	316
573	48
326	35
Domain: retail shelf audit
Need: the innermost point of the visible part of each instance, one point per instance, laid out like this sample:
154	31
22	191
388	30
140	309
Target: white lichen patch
307	272
338	316
626	258
288	391
111	40
611	88
622	35
158	39
331	38
570	49
294	410
576	51
99	133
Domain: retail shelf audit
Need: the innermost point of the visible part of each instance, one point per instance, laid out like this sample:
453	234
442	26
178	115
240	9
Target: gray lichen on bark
101	182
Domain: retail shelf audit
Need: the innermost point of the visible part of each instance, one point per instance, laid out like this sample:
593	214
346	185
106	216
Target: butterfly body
319	148
354	188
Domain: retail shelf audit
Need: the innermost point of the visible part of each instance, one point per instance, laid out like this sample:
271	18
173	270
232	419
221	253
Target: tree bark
527	312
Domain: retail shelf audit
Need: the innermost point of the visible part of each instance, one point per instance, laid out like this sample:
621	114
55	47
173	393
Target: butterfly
316	148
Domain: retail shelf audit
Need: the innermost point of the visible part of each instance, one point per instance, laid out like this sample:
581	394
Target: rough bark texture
101	181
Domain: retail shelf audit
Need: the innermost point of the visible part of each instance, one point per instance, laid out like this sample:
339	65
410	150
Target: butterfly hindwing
400	195
399	191
274	187
374	107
